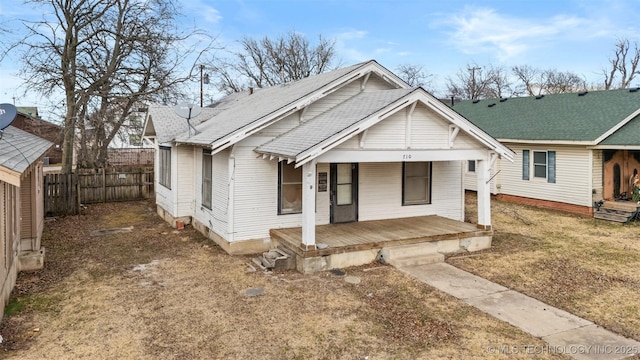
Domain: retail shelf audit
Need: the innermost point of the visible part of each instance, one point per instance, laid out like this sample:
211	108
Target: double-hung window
207	178
289	189
539	164
165	166
416	183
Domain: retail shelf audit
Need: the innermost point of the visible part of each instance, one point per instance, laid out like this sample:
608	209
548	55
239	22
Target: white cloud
485	31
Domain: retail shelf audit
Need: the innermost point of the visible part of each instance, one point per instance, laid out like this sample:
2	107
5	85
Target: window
165	167
289	189
207	176
416	183
471	166
543	164
540	164
344	184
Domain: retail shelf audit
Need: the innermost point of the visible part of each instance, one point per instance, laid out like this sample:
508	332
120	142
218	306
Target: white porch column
309	204
483	171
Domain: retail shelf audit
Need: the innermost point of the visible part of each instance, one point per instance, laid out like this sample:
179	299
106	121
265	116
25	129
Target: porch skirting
359	243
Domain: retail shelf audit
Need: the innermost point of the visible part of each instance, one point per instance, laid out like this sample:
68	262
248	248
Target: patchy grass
161	293
586	266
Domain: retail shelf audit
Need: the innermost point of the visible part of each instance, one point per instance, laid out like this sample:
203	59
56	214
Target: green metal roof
558	117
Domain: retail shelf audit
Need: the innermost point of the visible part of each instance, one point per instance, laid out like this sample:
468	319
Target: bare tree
415	76
107	56
267	62
535	81
623	65
475	82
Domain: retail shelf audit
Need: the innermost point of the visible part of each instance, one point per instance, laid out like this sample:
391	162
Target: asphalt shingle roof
557	117
262	103
332	122
19	149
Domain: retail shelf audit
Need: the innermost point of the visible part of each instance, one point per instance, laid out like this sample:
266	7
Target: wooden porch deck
377	234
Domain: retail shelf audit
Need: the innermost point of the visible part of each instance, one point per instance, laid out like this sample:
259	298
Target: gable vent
491	105
583	93
539	97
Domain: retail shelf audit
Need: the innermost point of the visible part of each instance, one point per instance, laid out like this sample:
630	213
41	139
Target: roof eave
548	142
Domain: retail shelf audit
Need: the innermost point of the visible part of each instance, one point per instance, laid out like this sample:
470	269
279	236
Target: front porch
358	243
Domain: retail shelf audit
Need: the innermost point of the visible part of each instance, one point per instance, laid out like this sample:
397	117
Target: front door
344	193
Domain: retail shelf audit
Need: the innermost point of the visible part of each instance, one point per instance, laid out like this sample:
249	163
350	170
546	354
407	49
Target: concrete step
602	215
278	259
426	259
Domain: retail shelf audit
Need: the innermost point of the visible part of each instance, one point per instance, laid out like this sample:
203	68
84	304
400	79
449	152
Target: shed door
344	193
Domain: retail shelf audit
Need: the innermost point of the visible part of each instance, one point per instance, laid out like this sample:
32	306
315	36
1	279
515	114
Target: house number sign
322	182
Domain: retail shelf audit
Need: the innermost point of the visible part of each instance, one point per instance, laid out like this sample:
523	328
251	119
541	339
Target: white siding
184	176
380	192
388	134
256	197
573	176
375	83
346	92
165	197
597	175
215	218
428	130
471	178
333	99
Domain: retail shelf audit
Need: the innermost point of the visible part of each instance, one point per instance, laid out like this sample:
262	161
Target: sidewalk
563	332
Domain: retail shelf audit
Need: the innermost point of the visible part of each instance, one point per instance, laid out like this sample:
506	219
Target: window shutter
551	166
525	164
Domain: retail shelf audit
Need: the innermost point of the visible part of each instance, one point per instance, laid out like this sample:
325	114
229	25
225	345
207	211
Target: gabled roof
163	122
250	113
330	123
587	117
19	149
327	130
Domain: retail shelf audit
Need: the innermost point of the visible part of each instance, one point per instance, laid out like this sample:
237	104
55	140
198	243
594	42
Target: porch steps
417	260
617	211
277	258
412	254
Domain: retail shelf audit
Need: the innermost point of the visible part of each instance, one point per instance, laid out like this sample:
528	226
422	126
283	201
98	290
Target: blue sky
441	36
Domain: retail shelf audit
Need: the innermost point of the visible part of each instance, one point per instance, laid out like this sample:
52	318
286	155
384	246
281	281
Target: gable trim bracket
453	133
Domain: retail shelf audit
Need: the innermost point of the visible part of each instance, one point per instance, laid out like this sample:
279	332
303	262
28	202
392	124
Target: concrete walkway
563	332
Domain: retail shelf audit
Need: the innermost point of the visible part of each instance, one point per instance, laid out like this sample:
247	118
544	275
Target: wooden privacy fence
104	185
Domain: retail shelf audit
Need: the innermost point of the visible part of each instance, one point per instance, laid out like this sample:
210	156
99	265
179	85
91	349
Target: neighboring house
574	150
31	123
347	146
21	206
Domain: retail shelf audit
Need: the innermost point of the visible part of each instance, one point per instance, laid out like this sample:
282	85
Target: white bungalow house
334	167
574	152
21	206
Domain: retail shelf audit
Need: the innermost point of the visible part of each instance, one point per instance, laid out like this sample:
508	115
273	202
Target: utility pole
204	79
201	82
473	81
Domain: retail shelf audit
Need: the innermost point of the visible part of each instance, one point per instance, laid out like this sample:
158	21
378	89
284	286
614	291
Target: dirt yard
153	292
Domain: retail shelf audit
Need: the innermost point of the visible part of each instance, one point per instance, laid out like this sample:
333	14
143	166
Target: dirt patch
157	292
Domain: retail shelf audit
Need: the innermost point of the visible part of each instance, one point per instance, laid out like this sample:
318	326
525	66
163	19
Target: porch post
483	171
309	205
